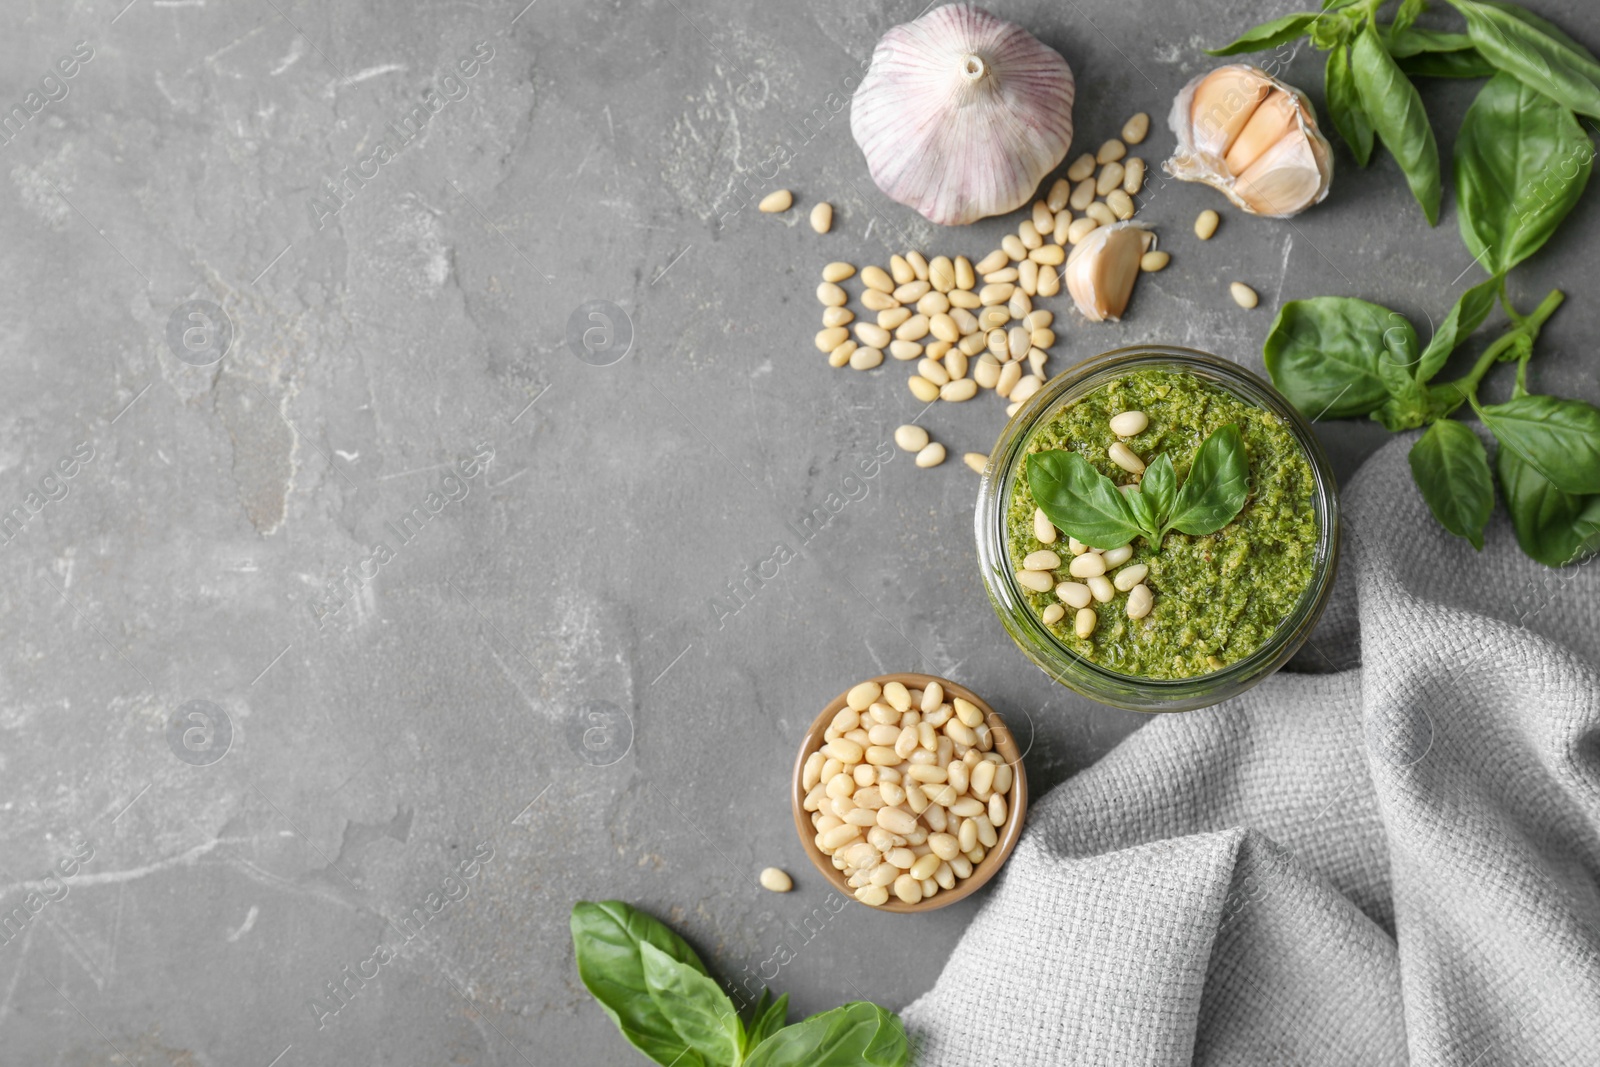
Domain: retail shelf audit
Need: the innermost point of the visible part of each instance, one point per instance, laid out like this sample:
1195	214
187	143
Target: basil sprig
1085	504
1371	97
1522	161
654	987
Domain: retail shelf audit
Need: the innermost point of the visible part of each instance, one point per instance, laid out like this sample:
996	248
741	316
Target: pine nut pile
972	326
906	793
1090	566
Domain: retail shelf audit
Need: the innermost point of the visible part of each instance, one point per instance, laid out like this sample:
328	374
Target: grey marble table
373	626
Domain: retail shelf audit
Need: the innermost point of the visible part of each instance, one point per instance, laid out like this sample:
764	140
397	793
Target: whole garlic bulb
1102	268
962	113
1253	137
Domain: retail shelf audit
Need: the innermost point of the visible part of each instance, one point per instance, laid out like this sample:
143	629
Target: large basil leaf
1553	527
1521	163
1216	487
1451	467
1466	316
1544	26
857	1034
1541	60
1391	101
1465	64
607	938
1557	437
1079	500
1344	106
1413	41
1267	35
696	1006
1323	354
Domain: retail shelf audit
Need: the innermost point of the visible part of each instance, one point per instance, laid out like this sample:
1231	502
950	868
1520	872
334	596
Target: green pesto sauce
1218	598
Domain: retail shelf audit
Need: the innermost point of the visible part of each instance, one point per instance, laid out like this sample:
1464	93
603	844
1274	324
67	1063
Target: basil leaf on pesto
1157	489
1079	500
1217	486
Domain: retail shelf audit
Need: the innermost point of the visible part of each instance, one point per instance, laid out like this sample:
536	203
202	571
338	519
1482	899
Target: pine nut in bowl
909	792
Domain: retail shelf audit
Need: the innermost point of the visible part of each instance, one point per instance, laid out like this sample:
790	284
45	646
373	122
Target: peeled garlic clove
1252	137
1103	266
962	114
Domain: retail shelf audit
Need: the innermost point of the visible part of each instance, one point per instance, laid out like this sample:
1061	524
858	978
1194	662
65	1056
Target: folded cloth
1389	854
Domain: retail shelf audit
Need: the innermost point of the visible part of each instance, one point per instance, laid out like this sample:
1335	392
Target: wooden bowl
1017	800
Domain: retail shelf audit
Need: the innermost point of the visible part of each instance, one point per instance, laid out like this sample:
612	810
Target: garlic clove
1220	104
1252	137
961	114
1286	175
1272	120
1103	266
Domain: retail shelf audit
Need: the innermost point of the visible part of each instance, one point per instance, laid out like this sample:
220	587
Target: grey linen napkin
1390	856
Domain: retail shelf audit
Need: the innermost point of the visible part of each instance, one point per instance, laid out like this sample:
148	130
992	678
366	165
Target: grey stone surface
534	672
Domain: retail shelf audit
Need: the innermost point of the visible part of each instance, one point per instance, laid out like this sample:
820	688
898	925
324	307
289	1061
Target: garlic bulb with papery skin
962	113
1255	138
1102	268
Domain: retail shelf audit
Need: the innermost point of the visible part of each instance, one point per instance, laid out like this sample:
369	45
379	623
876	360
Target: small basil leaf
1539	59
1451	467
1217	486
857	1034
608	939
1144	513
1158	487
1521	163
1399	118
1079	500
696	1006
1344	105
1552	527
1465	64
1466	316
1267	35
1557	437
1323	354
1413	41
1406	14
769	1017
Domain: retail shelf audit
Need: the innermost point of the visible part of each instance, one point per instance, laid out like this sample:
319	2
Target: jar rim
1049	652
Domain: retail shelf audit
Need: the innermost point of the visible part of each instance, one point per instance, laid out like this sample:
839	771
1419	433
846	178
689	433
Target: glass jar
1060	661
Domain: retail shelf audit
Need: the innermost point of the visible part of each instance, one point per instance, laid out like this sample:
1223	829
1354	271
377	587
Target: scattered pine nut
1136	128
1110	177
931	456
1133	176
877	278
923	389
831	337
1243	295
1088	565
1053	614
1155	260
1013	247
919	265
1116	557
1038	581
1080	229
1128	577
776	201
1059	192
1082	194
957	391
841	356
1111	151
837	316
966	276
1120	203
822	219
772	878
911	438
1081	168
837	272
1101	213
1205	224
830	295
866	358
1100	588
900	269
1140	601
1074	594
977	461
990	263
